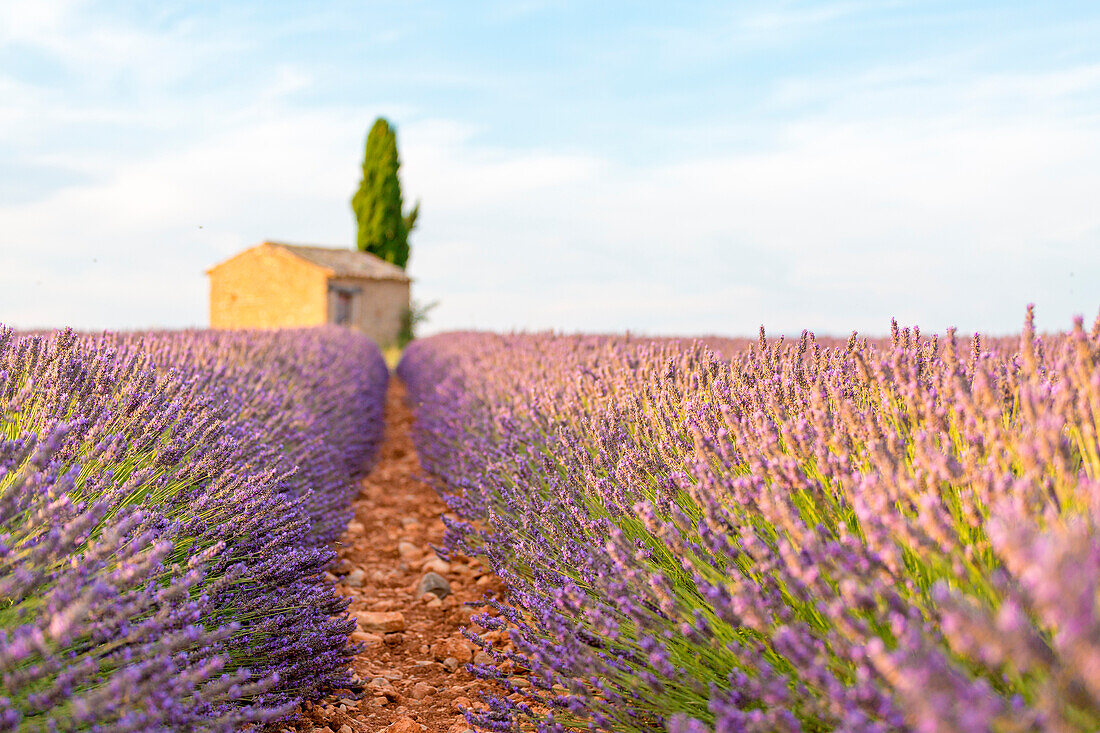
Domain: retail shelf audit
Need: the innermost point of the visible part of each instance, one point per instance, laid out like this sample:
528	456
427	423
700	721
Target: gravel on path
412	669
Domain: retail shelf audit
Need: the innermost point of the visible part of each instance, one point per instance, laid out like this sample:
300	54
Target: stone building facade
276	285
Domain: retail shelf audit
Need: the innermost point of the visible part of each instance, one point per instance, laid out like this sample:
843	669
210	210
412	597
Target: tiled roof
345	262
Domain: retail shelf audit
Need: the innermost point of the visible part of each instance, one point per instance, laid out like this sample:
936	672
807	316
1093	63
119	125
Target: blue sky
688	168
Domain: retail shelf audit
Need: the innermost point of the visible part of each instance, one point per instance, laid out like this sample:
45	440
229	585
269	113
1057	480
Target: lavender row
167	504
892	536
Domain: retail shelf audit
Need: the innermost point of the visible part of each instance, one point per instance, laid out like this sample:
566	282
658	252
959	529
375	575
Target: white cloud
841	226
784	17
952	219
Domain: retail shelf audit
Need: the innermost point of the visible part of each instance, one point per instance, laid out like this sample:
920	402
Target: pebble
436	565
459	649
383	621
408	550
465	613
422	690
404	724
355	578
450	664
345	728
433	583
356	528
484	659
369	640
520	682
382	686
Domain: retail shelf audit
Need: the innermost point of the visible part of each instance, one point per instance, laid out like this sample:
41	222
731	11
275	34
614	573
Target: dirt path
413	667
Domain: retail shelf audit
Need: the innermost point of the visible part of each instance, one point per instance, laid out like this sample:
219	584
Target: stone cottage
275	285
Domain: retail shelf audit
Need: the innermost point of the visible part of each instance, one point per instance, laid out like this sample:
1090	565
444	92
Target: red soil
410	641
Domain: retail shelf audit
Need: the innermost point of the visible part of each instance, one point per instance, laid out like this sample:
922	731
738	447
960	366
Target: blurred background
668	168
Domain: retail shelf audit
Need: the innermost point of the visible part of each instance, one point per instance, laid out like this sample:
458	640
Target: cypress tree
383	228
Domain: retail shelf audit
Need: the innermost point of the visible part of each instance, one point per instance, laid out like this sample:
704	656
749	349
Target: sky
665	168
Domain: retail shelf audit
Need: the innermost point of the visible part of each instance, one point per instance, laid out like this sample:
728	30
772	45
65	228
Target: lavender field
901	535
167	504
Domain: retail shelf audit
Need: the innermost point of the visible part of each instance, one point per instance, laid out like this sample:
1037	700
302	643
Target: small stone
436	565
484	659
433	583
424	648
356	528
484	580
450	664
435	603
393	639
452	647
381	621
355	578
409	522
383	688
370	641
520	682
393	674
404	724
422	690
345	728
408	550
461	703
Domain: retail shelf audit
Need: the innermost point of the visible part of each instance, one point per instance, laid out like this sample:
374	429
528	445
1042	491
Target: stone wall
377	306
267	287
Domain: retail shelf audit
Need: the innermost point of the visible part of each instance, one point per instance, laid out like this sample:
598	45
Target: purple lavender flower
167	503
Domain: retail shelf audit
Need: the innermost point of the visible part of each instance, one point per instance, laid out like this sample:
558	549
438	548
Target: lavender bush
167	501
893	536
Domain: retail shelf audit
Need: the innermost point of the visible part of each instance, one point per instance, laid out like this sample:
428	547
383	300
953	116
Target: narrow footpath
413	667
